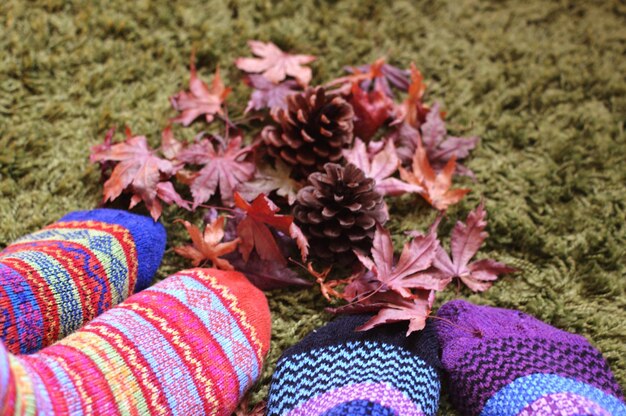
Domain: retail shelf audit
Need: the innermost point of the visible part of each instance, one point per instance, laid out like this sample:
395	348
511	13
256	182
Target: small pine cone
338	211
311	131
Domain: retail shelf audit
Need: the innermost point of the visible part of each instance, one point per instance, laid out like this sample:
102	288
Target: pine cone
311	132
338	211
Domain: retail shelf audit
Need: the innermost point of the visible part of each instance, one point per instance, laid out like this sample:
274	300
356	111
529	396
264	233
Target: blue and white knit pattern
301	377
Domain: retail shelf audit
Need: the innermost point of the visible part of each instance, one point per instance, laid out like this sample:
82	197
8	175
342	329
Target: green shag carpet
541	82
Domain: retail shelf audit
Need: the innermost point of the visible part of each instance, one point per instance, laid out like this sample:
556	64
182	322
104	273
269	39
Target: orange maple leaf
207	245
436	186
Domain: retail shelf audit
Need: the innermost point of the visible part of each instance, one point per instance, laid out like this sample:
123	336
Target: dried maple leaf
394	308
436	186
207	246
170	147
408	273
225	166
267	274
440	147
200	99
276	65
380	166
390	306
268	179
371	110
465	241
105	166
255	234
138	171
266	94
413	110
385	76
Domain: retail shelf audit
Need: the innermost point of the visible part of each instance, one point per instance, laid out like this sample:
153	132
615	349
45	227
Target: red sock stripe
84	372
200	338
44	298
228	303
136	362
178	338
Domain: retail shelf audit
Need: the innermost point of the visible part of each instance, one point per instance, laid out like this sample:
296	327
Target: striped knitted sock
189	345
55	280
337	371
505	362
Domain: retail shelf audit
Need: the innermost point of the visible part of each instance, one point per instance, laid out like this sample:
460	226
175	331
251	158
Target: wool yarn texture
502	362
190	345
336	370
55	280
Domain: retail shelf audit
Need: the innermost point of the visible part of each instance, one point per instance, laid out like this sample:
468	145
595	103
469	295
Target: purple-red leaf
266	94
380	166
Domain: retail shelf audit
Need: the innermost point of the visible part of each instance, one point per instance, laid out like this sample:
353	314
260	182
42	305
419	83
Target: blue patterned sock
337	371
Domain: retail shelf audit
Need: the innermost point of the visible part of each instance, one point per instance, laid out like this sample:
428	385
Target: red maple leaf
200	99
255	234
435	186
371	110
276	65
394	308
409	272
139	171
225	166
207	246
465	241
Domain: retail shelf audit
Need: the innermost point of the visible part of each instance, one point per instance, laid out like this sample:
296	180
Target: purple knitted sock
503	362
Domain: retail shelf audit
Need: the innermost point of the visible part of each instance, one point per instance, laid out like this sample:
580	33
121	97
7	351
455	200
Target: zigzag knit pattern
55	280
503	362
190	345
337	371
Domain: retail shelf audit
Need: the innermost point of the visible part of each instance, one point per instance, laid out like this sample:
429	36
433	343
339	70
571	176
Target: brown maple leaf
276	65
225	167
465	241
139	171
409	272
435	186
207	246
255	234
200	99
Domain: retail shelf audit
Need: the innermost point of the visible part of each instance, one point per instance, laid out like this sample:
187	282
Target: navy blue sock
337	371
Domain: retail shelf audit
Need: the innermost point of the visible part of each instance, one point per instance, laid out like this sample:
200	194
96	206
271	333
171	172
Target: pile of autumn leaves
403	146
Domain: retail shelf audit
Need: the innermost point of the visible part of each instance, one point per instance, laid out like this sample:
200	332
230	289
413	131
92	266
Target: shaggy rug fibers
541	82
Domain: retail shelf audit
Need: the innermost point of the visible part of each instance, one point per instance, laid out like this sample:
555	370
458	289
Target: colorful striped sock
189	345
57	279
336	371
504	362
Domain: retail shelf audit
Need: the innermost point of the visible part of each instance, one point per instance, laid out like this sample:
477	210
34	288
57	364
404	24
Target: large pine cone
338	211
311	132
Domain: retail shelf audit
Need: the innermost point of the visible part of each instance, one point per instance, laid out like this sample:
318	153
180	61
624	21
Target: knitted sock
55	280
504	362
337	371
189	345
